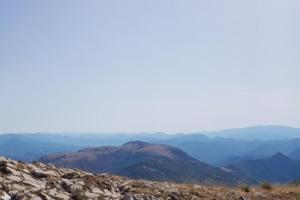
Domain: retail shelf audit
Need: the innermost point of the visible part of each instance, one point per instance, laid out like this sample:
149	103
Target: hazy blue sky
153	65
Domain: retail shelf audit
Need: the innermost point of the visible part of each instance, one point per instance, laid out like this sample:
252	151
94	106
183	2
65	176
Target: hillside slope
143	160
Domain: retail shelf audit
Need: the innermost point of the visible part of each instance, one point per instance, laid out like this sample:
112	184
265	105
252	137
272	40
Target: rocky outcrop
37	181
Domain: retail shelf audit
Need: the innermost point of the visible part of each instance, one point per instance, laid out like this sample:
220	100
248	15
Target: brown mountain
142	160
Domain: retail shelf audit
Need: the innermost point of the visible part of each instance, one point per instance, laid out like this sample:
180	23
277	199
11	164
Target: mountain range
202	157
215	148
142	160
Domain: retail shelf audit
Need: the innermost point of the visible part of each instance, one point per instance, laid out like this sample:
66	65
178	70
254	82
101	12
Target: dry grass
289	189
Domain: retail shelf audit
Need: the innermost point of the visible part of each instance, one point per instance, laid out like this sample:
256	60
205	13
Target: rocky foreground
38	181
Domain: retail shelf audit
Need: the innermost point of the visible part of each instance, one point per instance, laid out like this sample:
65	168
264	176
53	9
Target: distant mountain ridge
214	147
143	160
217	151
295	154
271	132
25	148
278	168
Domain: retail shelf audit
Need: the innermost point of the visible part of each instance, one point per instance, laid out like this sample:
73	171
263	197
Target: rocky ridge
38	181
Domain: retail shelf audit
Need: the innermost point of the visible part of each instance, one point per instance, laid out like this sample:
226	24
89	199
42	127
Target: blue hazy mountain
260	133
26	148
278	168
252	142
216	150
295	154
249	133
94	139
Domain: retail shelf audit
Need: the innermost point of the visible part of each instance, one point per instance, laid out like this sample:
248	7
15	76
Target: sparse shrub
266	186
245	187
78	196
296	182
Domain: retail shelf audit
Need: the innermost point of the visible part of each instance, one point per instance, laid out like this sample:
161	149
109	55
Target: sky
148	66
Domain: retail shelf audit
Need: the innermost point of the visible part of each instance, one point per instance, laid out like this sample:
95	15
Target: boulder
4	196
39	173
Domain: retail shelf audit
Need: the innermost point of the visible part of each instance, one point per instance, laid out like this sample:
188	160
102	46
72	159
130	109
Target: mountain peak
148	148
279	155
137	144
